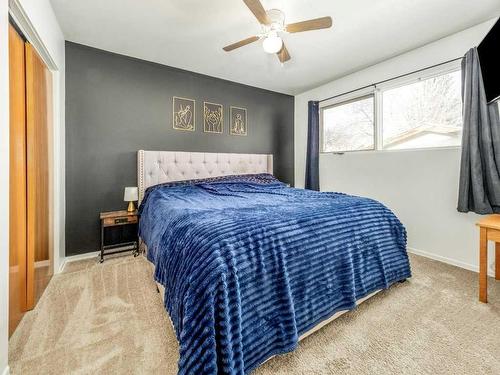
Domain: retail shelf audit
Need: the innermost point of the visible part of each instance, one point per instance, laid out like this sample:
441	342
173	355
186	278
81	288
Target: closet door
38	134
17	183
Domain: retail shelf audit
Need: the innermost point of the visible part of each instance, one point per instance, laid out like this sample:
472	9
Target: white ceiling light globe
272	43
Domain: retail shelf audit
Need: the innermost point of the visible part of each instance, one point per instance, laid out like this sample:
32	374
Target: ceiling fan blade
315	24
241	43
283	54
258	11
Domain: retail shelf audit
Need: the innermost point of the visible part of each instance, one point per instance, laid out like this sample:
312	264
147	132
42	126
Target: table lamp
131	195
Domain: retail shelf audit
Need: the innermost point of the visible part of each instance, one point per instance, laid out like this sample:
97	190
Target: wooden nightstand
119	233
489	230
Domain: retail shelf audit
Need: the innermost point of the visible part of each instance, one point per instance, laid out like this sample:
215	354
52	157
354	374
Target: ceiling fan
273	23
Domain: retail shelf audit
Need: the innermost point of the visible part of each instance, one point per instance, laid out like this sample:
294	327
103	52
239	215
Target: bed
249	266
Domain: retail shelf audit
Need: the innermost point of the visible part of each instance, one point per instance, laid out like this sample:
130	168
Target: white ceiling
190	34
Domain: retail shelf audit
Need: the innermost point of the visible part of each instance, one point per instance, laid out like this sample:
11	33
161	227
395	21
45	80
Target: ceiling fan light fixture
273	25
272	43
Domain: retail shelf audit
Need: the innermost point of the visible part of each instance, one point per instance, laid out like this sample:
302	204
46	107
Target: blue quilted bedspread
250	264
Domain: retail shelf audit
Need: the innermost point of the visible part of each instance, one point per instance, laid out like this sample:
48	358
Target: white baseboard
74	258
42	263
6	371
453	262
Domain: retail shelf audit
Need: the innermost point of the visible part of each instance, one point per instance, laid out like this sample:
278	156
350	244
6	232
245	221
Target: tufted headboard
156	167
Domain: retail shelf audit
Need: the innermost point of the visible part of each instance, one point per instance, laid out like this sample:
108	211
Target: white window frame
342	100
377	92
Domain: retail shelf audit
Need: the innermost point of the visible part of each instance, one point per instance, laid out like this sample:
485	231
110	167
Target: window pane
349	127
423	114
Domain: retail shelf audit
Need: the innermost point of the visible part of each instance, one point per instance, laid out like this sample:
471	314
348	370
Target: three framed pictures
184	117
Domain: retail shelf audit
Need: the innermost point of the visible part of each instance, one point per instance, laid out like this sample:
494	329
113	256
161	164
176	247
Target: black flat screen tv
489	58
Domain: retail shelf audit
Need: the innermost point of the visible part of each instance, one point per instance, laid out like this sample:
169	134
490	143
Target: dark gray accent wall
116	105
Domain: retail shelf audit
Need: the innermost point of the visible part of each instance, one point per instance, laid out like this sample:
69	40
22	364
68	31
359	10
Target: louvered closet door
17	180
38	135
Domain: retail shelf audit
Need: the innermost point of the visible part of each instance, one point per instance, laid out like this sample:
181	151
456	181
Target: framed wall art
183	110
213	117
238	117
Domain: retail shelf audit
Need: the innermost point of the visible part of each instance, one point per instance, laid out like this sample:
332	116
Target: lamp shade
273	43
131	194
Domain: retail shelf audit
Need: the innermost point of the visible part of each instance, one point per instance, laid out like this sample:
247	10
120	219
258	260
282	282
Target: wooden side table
489	230
119	233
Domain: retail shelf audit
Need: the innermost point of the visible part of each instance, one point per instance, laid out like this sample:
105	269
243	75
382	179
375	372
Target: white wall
4	184
420	186
45	25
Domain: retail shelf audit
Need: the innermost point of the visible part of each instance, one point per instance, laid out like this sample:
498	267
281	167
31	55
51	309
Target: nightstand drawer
112	221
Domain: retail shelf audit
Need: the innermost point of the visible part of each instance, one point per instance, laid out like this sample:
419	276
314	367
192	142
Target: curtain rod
390	79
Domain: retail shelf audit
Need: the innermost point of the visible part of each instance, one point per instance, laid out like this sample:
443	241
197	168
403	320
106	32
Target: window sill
390	151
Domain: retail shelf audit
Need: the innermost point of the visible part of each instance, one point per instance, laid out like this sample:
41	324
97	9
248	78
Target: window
349	126
424	111
423	114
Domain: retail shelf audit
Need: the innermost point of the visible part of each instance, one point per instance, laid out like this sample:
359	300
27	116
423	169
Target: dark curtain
312	157
479	189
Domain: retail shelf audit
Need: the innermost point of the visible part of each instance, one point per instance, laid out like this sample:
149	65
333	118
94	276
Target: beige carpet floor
109	319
